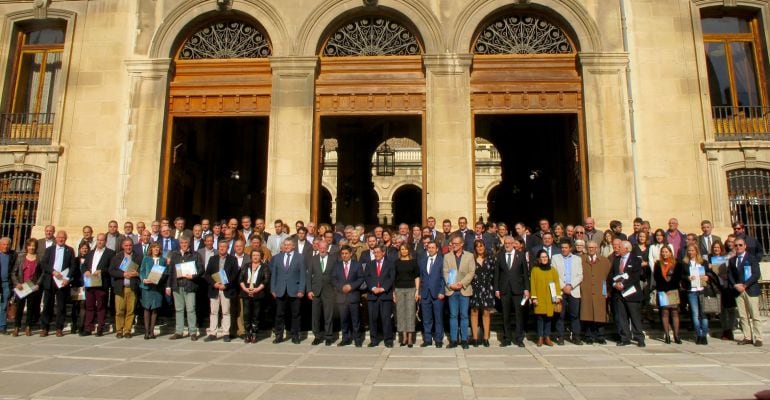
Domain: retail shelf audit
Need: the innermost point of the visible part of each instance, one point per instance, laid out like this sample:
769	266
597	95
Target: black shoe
451	345
560	341
704	340
473	342
317	341
389	345
372	344
210	338
226	339
505	343
85	333
588	341
194	337
464	344
485	343
520	343
146	336
344	343
577	342
328	342
667	339
99	333
296	340
622	343
426	344
410	345
677	340
601	341
439	345
278	339
641	343
359	343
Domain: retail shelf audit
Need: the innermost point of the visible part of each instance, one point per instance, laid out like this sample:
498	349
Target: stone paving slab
93	368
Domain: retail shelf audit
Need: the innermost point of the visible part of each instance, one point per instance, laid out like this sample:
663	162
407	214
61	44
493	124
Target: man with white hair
627	297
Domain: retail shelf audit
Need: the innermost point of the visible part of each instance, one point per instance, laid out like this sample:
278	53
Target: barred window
749	191
19	193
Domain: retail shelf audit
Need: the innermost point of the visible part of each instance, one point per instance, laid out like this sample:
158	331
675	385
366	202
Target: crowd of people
570	280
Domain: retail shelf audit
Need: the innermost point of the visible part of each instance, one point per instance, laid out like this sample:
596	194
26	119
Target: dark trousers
77	314
323	311
593	330
350	323
281	304
59	298
512	305
96	309
251	307
381	310
569	312
32	301
432	319
625	311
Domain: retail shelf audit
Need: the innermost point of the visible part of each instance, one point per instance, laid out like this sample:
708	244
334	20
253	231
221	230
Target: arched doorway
215	146
526	97
405	209
370	88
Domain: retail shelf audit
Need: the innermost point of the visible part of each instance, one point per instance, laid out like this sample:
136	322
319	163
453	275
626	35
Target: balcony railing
741	123
26	128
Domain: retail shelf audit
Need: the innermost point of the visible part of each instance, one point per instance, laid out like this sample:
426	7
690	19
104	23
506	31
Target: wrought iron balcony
741	123
26	128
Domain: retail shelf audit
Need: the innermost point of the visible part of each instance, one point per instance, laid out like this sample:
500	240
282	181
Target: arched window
749	192
226	39
372	36
522	33
19	193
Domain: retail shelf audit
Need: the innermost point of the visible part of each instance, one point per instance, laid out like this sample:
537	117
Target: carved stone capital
40	7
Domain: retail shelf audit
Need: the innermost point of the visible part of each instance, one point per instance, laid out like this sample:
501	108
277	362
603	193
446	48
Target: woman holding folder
253	279
25	276
697	282
545	293
668	274
151	273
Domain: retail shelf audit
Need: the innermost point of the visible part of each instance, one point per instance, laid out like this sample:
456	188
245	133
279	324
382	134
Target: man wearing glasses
752	245
744	275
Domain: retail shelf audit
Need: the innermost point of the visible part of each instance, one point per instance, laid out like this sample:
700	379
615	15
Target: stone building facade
114	109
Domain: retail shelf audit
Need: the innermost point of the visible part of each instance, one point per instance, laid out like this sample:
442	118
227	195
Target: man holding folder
124	270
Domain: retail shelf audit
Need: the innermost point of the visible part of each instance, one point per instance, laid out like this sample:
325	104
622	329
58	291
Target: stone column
385	214
290	141
720	209
140	157
449	148
610	171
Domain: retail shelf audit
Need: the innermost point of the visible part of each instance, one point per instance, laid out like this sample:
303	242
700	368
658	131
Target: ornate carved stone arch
166	36
488	189
312	32
586	31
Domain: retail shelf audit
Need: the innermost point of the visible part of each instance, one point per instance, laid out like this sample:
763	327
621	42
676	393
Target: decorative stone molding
448	64
40	8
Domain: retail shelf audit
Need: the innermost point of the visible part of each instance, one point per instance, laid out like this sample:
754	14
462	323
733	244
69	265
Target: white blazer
576	277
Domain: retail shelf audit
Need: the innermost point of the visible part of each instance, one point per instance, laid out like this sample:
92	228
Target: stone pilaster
448	137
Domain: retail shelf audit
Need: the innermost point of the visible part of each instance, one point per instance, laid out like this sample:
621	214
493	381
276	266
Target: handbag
710	304
557	307
10	310
672	298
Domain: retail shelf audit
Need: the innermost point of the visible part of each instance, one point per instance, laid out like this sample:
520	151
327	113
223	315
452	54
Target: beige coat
464	274
593	306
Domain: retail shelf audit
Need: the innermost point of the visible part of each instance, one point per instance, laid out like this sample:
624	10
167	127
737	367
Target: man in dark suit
303	246
59	264
47	241
625	277
167	241
7	263
380	277
321	292
511	286
179	230
432	287
287	282
465	233
221	293
143	246
124	285
707	238
744	276
435	235
347	278
368	254
246	231
530	241
196	241
97	263
546	245
752	245
690	239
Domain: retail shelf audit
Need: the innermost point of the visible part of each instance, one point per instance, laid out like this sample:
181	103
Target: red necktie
379	268
622	265
347	268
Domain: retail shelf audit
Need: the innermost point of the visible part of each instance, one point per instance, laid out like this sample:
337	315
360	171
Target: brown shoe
15	332
539	342
757	343
59	333
745	341
28	331
548	341
44	333
127	335
119	335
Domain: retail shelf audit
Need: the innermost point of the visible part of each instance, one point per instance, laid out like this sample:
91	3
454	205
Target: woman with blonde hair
697	282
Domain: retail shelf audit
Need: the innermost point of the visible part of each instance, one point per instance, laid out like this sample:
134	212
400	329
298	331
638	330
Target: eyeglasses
740	245
579	232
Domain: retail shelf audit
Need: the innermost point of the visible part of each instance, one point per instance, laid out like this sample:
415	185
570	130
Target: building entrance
217	167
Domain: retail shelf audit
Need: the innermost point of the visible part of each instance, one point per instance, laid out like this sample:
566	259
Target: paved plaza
110	368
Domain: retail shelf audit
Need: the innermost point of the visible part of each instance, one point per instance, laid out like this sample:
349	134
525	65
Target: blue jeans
458	304
543	325
4	304
699	320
